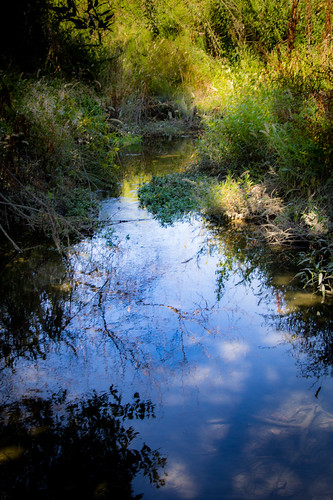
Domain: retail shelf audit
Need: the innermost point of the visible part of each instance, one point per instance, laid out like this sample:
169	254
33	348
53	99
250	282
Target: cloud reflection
180	479
280	443
233	351
211	433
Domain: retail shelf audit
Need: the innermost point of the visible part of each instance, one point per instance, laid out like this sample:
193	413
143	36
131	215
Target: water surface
176	362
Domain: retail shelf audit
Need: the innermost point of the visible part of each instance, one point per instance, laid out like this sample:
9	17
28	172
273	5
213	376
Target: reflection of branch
302	418
118	342
183	317
113	222
85	304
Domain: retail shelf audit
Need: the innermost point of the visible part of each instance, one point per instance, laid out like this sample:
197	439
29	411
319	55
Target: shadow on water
201	323
51	448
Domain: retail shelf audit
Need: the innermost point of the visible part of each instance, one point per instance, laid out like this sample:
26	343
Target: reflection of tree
44	301
158	155
40	294
310	335
32	304
80	450
310	327
243	253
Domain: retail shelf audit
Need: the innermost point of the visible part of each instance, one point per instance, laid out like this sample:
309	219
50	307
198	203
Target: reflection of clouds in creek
141	311
211	433
284	441
181	481
233	351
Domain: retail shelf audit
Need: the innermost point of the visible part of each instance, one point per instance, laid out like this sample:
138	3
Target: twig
113	222
17	248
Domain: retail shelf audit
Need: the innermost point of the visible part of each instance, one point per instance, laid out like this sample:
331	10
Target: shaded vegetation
58	148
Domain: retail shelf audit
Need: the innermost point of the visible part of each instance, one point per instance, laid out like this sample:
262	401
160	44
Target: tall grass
280	119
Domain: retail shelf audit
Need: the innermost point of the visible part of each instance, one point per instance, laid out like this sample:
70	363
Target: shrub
59	147
170	197
69	131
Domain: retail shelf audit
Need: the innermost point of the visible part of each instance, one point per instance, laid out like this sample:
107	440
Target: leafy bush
69	132
236	138
273	127
170	197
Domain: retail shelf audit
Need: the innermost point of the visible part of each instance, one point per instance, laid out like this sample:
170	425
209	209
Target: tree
34	33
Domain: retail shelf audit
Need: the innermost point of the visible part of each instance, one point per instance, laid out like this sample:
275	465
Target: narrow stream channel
176	362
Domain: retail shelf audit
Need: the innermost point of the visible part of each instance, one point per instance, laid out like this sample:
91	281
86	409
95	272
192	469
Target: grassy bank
58	149
254	78
265	158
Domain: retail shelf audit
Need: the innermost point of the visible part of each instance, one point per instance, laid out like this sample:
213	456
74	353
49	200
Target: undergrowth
58	148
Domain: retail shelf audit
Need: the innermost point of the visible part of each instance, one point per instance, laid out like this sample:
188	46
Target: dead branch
17	248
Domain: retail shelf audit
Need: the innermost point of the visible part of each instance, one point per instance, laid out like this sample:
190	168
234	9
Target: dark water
174	362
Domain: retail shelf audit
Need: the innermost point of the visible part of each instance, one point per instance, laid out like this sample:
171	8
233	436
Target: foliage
272	127
170	197
318	270
58	148
69	129
235	139
240	200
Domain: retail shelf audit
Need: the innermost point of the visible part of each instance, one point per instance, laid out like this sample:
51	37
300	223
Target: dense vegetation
81	77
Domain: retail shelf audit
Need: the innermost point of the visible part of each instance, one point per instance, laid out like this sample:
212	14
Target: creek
177	362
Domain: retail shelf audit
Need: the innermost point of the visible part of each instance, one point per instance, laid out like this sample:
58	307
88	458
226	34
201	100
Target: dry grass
240	200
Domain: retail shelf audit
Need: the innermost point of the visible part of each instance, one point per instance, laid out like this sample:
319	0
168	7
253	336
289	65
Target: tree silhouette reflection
34	306
52	448
304	317
309	331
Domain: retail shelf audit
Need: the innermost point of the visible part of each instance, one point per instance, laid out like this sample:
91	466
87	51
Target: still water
177	362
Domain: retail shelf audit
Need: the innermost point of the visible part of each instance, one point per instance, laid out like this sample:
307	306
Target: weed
318	271
58	148
170	197
240	200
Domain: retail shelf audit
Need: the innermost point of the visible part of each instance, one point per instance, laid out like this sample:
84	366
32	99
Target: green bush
170	198
272	126
237	139
69	131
